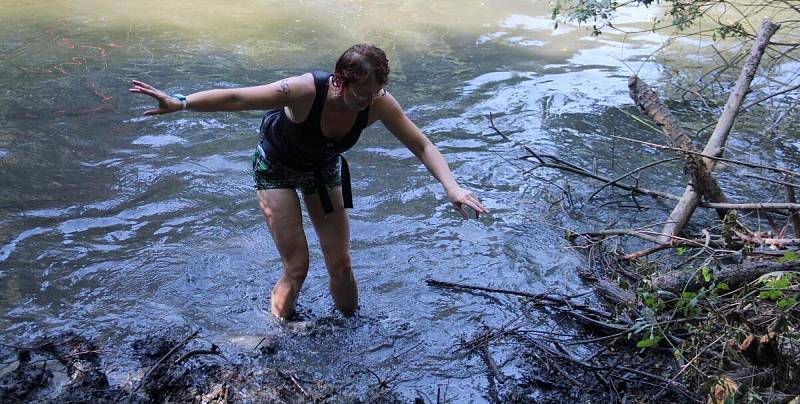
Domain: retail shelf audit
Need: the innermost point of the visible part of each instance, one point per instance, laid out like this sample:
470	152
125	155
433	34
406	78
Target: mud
176	367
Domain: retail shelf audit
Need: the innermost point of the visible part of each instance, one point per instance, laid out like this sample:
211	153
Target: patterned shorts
270	174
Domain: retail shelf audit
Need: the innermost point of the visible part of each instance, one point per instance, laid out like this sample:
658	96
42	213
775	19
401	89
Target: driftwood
734	275
691	196
608	290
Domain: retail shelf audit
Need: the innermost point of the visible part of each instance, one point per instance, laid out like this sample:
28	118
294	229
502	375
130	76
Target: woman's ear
337	89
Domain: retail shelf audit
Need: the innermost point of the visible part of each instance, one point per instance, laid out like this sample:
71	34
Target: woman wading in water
313	118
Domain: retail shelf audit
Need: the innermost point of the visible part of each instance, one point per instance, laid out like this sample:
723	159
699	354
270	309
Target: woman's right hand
166	103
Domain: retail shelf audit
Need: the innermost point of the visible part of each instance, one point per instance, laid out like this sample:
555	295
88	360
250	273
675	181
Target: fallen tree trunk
794	214
734	275
701	179
691	196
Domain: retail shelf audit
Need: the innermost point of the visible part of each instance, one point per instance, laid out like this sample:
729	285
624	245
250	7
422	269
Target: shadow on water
115	225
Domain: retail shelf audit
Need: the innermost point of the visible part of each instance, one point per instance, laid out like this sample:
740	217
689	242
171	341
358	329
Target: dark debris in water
175	367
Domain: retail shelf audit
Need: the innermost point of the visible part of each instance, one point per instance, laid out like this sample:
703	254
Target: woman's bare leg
333	231
281	209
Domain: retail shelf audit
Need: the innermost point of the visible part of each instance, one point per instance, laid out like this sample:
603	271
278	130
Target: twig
769	241
762	178
490	363
619	232
766	97
213	351
727	160
555	365
260	342
444	284
647	251
491	125
580	171
404	352
555	298
492	374
558	302
160	361
622	177
295	382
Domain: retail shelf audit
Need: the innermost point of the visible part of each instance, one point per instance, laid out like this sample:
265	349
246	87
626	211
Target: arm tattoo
284	87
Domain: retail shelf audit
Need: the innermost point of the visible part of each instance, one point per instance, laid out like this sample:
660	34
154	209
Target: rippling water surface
114	225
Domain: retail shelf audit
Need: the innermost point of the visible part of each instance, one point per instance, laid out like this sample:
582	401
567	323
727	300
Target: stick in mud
157	364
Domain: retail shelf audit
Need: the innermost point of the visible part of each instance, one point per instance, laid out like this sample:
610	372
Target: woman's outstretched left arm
393	117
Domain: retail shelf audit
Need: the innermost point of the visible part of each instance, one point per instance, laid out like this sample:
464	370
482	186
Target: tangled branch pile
716	316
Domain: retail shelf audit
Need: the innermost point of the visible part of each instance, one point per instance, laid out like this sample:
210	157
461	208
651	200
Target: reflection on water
115	224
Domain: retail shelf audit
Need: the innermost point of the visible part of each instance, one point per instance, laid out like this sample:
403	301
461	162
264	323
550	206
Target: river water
115	225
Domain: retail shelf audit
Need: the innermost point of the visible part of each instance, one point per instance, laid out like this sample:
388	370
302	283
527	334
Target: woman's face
360	94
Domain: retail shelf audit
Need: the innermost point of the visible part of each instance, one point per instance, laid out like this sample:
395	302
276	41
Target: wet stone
269	346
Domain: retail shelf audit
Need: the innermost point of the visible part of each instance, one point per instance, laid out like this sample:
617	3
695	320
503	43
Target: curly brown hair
361	62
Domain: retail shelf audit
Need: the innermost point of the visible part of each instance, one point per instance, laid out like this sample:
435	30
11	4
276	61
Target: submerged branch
708	156
629	173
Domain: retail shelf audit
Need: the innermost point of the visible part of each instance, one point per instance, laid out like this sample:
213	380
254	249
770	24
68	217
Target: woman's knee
296	268
340	268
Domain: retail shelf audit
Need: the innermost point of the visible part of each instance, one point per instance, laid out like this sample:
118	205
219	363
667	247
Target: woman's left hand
461	197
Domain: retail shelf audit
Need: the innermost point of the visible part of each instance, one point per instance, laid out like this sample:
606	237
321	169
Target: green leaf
788	256
770	294
786	303
648	342
707	275
780	283
723	286
680	250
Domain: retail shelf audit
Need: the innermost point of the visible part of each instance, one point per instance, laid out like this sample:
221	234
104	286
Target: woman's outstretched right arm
274	95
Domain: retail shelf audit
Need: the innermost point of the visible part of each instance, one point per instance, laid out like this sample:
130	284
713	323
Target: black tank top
303	147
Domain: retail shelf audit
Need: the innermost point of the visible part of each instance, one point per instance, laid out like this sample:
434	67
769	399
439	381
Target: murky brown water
116	225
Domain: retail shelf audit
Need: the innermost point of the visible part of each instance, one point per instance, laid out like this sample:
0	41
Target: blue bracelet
181	98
